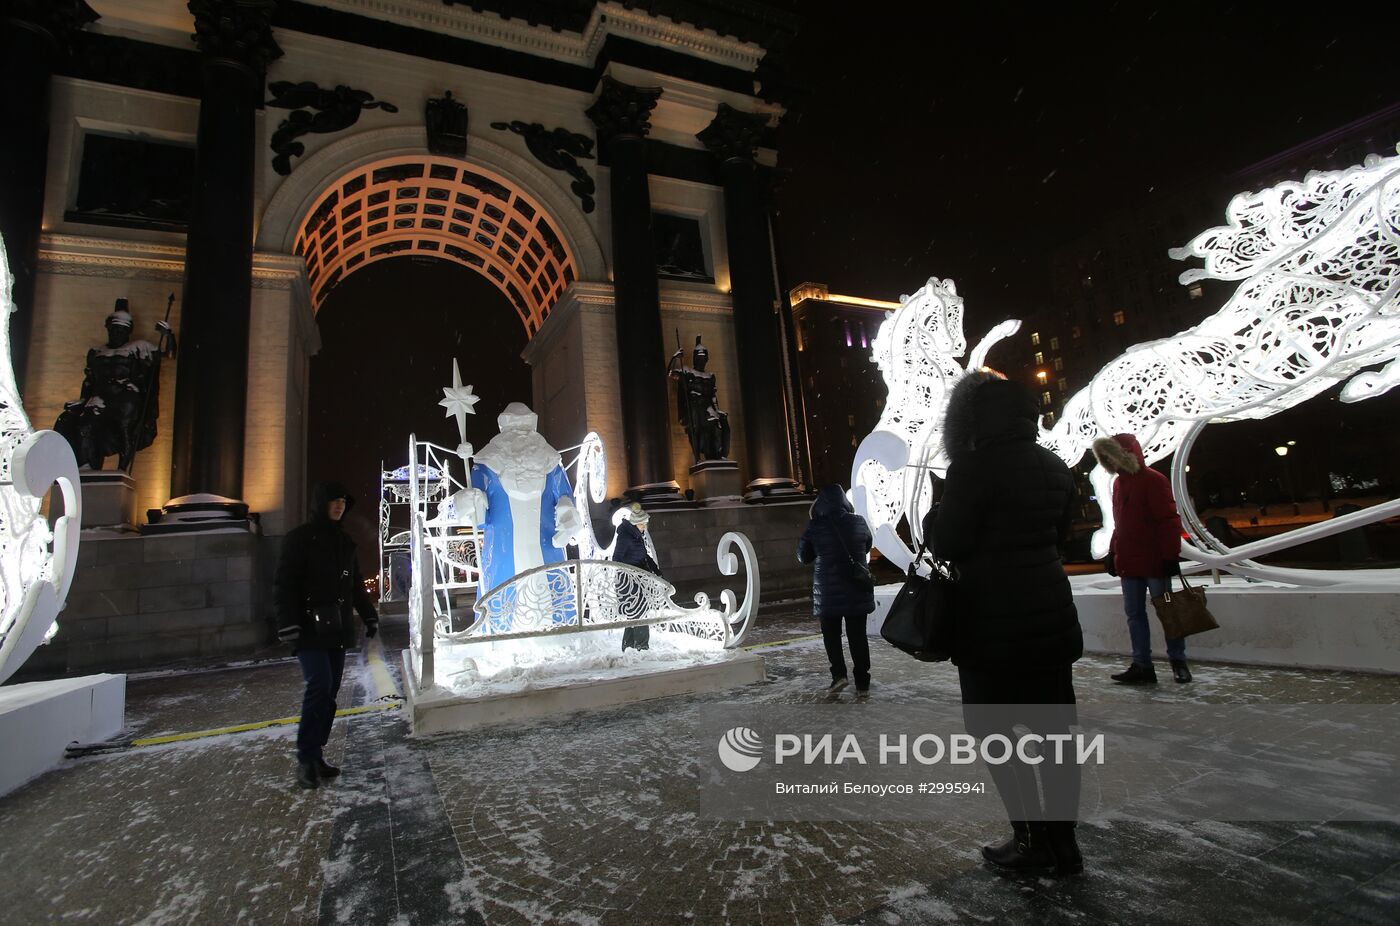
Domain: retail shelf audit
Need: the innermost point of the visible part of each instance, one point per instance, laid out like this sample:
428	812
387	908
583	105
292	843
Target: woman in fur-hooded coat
1006	507
1145	550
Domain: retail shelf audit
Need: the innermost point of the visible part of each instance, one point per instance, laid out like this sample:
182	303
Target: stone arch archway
507	177
437	207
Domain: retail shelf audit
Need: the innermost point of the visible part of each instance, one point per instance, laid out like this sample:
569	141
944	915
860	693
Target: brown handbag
1184	612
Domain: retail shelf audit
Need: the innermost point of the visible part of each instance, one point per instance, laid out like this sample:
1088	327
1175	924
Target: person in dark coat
1006	506
838	541
1145	550
630	547
318	581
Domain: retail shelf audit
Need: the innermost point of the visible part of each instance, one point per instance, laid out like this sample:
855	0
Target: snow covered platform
1356	627
39	719
494	683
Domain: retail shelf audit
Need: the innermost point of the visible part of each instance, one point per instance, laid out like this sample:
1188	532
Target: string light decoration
1318	303
36	564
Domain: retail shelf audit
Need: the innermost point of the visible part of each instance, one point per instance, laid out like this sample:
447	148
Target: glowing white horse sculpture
915	349
576	595
1319	302
36	566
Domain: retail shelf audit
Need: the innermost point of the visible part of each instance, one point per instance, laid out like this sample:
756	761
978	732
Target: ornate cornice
734	135
622	110
72	255
58	19
608	18
236	30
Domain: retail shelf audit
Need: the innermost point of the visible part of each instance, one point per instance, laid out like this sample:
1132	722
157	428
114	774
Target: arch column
211	394
621	114
35	33
733	136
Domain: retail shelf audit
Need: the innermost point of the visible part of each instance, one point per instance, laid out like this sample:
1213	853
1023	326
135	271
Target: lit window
1064	385
1045	398
1049	419
1119	318
1195	291
1054	343
1042	376
1039	357
851	420
1035	338
1059	363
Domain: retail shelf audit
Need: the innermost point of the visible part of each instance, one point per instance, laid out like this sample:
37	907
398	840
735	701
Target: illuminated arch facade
438	207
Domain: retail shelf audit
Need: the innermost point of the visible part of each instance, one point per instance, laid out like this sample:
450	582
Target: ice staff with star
459	401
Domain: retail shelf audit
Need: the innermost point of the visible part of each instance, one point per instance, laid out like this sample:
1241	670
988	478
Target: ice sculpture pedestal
443	710
1353	628
39	719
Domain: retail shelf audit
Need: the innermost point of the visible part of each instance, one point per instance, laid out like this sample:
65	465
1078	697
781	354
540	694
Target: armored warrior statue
696	403
116	412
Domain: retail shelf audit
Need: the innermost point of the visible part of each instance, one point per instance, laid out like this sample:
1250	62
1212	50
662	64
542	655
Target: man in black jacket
318	580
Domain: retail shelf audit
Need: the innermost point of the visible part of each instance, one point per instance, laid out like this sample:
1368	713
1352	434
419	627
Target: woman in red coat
1145	550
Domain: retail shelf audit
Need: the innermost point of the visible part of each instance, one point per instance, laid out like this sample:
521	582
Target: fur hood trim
1115	457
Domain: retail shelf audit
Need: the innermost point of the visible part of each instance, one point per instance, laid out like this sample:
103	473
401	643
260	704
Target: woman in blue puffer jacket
838	541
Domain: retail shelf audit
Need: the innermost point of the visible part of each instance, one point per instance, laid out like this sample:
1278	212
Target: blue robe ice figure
522	501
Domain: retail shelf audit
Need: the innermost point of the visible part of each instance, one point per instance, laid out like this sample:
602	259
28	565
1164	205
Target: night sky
959	141
965	140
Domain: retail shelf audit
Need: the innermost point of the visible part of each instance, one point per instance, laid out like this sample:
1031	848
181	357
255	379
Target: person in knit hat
631	547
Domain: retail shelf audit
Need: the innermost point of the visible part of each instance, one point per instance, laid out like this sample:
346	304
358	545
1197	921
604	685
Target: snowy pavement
587	819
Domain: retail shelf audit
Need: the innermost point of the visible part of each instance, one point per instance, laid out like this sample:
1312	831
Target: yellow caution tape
261	725
804	639
378	671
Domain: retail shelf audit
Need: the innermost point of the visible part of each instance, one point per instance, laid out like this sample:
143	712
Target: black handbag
920	619
860	572
324	619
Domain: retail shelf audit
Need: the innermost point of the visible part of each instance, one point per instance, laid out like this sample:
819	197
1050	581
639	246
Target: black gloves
1108	566
371	628
1171	567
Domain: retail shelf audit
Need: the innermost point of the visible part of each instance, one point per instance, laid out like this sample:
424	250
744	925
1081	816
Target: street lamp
1282	451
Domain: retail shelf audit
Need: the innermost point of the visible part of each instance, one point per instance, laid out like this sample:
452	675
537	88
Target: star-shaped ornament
458	400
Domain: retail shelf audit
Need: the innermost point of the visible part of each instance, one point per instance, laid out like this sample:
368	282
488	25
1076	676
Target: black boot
1136	675
306	774
1064	847
1181	671
1026	850
325	771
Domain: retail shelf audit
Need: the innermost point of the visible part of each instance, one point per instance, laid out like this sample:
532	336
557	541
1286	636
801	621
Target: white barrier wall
1261	624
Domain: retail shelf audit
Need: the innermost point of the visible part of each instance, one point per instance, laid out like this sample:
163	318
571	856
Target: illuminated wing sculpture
1318	302
36	564
1319	265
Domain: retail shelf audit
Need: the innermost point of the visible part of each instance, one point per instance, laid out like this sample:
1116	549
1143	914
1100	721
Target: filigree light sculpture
1318	303
915	349
1319	262
36	565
